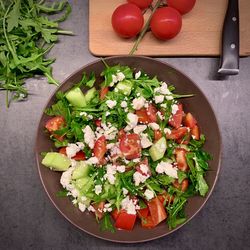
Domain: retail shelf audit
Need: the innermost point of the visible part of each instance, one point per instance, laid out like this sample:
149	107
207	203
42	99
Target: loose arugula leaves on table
27	34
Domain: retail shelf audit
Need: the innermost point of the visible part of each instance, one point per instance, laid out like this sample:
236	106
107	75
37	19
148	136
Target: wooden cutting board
200	34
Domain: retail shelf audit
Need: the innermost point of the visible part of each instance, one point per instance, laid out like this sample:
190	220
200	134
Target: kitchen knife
229	63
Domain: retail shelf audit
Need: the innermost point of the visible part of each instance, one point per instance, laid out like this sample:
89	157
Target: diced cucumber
90	94
56	161
76	97
125	87
109	191
81	170
80	183
158	149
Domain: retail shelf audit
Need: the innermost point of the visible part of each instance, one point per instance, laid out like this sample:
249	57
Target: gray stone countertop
28	220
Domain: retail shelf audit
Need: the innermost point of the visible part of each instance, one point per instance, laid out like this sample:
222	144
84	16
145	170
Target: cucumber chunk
125	87
80	183
81	170
90	94
56	161
158	149
76	97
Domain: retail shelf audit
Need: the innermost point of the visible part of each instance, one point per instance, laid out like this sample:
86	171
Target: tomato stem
145	28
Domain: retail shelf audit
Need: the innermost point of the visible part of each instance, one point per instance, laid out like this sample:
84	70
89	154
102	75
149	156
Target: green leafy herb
106	224
176	214
26	36
62	193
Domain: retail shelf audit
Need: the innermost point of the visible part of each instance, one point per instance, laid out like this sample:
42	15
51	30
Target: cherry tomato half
166	23
127	20
183	6
143	4
130	146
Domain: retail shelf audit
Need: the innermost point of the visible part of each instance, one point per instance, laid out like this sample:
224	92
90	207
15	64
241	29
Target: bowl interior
197	105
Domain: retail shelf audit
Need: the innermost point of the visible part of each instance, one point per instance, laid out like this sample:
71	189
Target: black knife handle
229	64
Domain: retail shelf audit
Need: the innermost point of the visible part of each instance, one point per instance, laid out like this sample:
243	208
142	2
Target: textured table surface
28	219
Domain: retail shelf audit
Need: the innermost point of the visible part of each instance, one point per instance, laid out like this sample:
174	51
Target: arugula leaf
181	176
165	180
62	193
176	214
202	185
14	15
197	164
106	224
26	36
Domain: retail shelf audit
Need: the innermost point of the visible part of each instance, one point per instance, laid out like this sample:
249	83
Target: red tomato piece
147	115
157	211
142	115
185	139
98	122
80	156
183	6
130	146
189	120
121	133
180	156
143	4
99	209
147	222
195	132
143	163
54	124
157	135
176	119
125	221
165	198
177	133
127	20
103	92
143	212
166	23
152	113
115	214
183	186
100	149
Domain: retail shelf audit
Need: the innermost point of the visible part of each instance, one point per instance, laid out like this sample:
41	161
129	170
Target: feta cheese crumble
132	120
167	131
149	194
138	103
121	169
81	206
145	142
167	168
110	175
139	178
89	136
159	99
120	76
137	75
124	104
111	104
154	126
98	189
72	149
128	205
175	108
124	191
139	129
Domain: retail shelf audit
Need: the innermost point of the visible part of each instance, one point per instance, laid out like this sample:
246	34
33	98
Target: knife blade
229	62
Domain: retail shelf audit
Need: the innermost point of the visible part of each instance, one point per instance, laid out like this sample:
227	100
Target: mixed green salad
127	150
